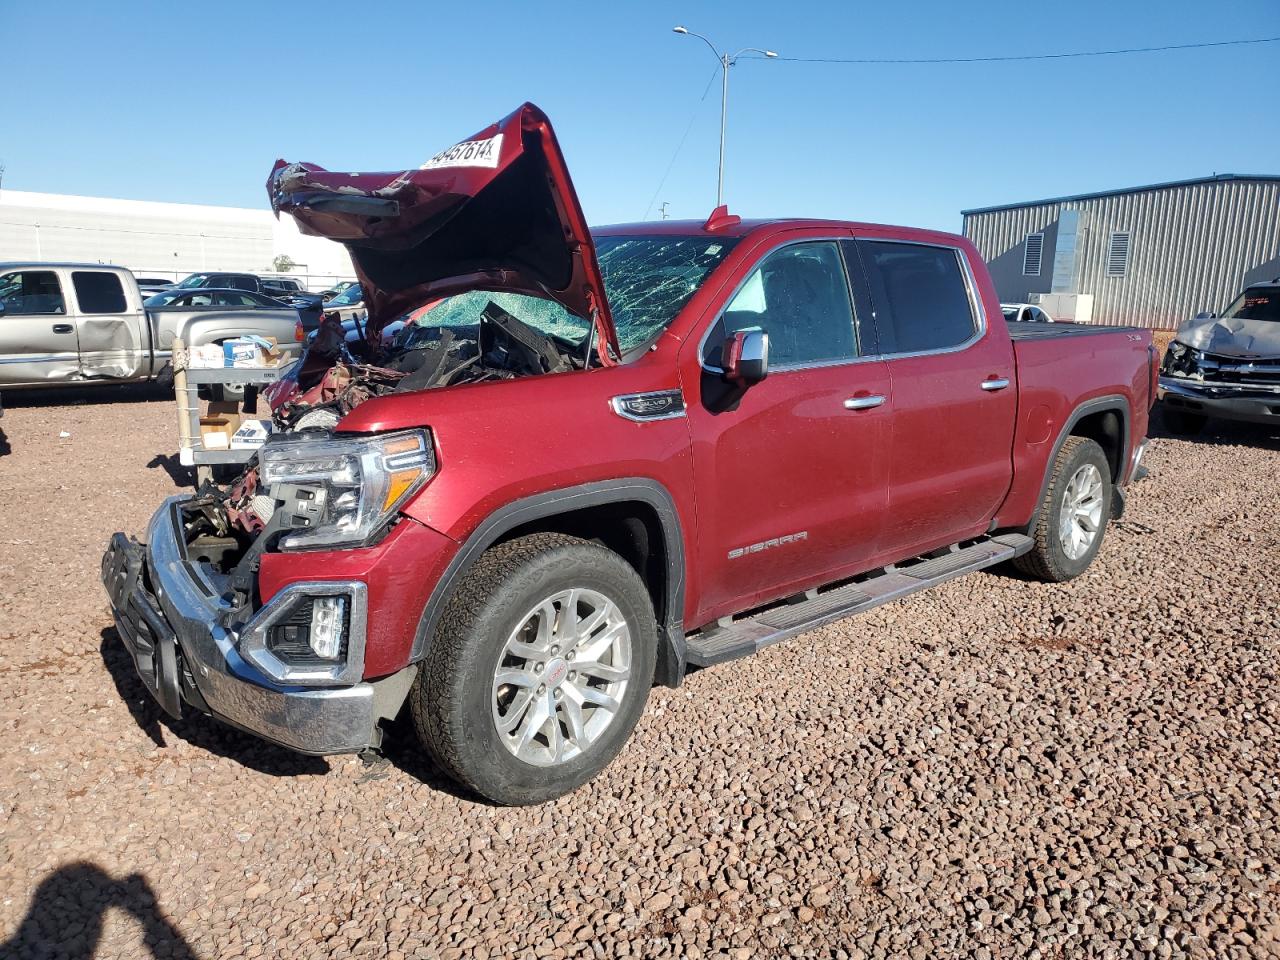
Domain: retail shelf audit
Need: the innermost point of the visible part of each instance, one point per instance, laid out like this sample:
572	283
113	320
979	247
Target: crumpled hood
1232	336
494	212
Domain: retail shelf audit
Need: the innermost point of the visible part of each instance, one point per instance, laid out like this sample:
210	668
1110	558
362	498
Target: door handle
995	383
63	328
863	403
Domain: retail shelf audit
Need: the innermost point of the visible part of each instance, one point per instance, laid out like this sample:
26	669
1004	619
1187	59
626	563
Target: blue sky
187	102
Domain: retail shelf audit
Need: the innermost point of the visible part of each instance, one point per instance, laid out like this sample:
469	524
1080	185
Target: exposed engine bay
229	526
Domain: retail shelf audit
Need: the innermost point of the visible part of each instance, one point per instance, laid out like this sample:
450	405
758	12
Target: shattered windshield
647	281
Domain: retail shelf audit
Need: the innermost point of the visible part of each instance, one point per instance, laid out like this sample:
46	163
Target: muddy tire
539	669
1072	520
1180	422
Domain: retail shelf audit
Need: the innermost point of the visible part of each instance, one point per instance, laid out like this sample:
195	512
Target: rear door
37	337
110	328
954	396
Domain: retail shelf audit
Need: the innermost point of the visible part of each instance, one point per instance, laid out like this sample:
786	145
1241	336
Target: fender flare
670	665
1113	401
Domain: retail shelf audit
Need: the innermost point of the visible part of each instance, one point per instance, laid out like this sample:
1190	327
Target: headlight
342	491
1181	360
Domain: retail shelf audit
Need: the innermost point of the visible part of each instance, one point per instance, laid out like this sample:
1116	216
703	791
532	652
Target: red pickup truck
589	460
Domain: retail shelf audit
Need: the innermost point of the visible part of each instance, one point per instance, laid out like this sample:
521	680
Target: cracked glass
647	280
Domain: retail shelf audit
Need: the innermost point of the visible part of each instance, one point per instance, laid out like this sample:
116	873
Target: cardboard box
251	351
206	355
219	425
251	435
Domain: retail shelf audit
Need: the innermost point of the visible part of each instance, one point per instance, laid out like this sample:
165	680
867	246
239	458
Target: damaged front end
481	258
228	523
1229	366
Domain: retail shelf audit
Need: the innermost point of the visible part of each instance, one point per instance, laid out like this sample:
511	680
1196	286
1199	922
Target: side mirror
1205	315
745	357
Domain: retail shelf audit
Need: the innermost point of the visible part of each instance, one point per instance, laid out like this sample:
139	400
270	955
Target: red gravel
993	769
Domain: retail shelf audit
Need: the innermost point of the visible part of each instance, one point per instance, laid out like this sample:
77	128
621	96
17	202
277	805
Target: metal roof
1216	178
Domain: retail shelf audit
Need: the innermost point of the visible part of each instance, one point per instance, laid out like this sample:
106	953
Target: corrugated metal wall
1192	248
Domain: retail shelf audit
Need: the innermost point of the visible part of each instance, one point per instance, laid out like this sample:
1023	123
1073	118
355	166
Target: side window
98	292
33	292
920	295
242	283
799	295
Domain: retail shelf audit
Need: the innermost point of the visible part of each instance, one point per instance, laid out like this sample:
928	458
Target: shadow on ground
402	750
71	396
65	917
5	448
181	476
195	728
1219	432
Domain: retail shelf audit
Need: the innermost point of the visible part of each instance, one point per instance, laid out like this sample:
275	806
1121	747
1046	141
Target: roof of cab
58	264
697	228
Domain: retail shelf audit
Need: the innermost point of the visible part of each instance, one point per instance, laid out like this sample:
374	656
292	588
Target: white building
168	240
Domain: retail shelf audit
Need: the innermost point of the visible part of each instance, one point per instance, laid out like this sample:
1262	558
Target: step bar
744	636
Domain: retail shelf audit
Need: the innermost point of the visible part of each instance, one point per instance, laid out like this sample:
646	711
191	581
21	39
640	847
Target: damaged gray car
1227	366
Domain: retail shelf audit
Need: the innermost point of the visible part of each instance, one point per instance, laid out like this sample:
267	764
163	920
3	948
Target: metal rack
186	383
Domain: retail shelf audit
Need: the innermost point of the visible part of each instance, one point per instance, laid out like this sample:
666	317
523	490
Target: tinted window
235	300
920	295
1256	303
799	296
242	283
98	292
348	298
36	291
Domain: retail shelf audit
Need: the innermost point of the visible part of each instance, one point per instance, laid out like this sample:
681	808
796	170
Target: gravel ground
994	769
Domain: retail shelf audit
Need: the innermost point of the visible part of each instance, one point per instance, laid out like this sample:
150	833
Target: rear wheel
1073	515
539	669
1182	422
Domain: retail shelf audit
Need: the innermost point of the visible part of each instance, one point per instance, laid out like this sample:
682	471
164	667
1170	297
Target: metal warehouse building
163	240
1149	256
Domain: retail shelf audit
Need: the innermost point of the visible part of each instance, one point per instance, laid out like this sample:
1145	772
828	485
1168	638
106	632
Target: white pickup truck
85	323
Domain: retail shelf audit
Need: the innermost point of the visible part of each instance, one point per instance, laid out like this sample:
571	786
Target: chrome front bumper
175	625
1253	404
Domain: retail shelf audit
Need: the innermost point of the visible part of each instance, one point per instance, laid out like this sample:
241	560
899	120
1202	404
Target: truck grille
1239	370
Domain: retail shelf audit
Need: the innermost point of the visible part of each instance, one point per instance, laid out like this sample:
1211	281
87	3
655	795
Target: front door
954	395
790	473
37	337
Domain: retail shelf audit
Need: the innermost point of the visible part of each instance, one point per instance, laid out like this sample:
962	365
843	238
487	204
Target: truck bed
1063	367
1063	329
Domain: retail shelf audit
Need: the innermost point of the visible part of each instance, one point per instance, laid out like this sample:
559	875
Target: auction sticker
469	153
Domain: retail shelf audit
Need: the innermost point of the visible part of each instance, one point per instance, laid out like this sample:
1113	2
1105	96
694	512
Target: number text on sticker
469	153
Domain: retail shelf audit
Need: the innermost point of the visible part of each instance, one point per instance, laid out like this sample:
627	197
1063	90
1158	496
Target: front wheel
539	669
1072	519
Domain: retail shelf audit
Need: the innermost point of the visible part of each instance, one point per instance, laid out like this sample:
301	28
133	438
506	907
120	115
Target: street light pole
726	61
724	112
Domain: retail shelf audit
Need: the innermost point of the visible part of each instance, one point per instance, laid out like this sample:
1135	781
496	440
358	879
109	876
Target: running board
748	635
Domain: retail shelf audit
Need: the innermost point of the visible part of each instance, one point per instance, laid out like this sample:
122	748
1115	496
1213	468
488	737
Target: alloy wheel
1080	519
561	677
